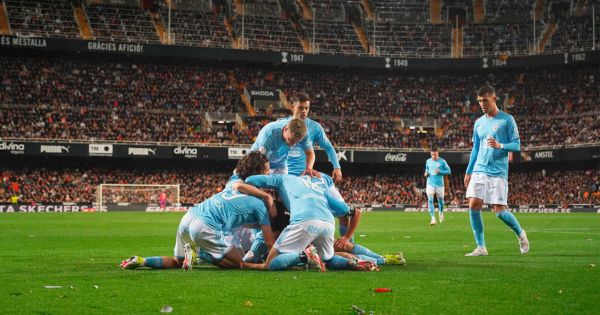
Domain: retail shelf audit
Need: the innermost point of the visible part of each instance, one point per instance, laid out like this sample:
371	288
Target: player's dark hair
434	149
251	164
300	97
486	89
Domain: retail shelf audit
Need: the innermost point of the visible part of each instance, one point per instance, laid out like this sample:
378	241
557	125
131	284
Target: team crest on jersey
495	127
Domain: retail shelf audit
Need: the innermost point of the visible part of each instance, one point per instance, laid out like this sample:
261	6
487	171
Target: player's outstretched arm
268	235
326	145
354	221
253	191
336	174
264	181
310	162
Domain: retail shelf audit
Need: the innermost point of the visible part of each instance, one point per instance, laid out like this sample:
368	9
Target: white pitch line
562	232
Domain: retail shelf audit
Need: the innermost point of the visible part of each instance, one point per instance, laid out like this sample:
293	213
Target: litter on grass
166	309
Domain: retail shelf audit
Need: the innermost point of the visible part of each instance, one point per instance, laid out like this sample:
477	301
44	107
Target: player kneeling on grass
207	227
309	237
257	252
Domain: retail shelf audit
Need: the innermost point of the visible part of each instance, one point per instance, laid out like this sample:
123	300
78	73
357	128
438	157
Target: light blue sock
283	261
361	250
205	256
477	226
379	260
441	205
337	262
431	207
510	220
343	230
154	262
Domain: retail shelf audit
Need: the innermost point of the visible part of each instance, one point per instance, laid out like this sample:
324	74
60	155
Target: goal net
137	197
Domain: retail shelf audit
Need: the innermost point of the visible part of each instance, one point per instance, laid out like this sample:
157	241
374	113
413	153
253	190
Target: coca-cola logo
395	157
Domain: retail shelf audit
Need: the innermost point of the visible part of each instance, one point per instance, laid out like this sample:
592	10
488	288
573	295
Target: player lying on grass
312	208
208	226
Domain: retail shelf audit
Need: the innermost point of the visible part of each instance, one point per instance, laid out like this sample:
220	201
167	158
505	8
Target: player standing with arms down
435	169
495	135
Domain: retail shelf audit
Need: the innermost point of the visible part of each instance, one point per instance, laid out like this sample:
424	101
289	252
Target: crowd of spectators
197	28
410	40
334	37
126	85
135	101
400	29
266	33
42	184
574	35
52	18
508	10
122	23
415	11
496	39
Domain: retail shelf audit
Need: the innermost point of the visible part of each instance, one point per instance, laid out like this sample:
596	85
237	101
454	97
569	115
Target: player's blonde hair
297	127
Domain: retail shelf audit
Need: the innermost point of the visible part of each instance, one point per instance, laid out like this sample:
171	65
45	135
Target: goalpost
136	194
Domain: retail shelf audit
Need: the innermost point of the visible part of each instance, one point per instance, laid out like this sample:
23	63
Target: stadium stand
85	99
574	34
129	24
47	183
267	33
197	28
401	10
52	18
508	10
410	40
74	98
494	39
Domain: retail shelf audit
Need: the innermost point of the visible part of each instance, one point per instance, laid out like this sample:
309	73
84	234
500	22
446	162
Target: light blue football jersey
491	161
230	209
270	142
307	198
297	158
232	180
433	179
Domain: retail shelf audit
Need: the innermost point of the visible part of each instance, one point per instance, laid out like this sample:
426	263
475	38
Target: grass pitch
80	252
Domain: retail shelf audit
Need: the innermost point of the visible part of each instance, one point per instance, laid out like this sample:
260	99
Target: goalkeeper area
138	197
68	262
